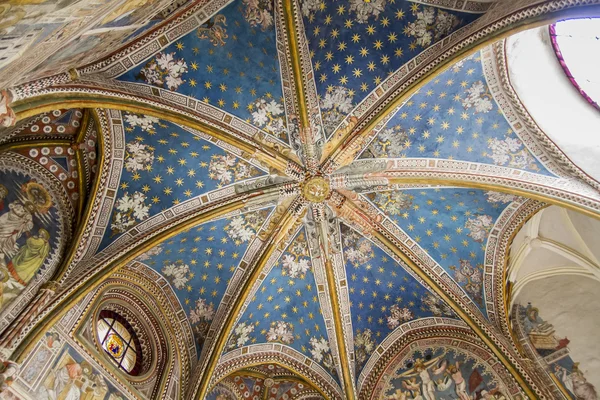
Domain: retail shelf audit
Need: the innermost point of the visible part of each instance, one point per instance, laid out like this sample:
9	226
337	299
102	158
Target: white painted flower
335	105
203	311
294	268
470	278
398	315
226	168
430	25
240	336
144	122
365	9
497	197
240	230
319	348
269	115
310	6
164	70
178	274
259	13
282	332
511	152
479	226
156	250
478	98
363	346
129	210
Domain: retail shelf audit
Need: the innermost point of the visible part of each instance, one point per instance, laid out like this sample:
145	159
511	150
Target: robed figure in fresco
30	257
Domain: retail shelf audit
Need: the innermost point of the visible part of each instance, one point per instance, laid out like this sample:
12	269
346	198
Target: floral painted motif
321	353
242	228
156	250
164	71
129	210
269	115
296	261
281	331
478	97
334	107
139	156
365	9
200	317
227	169
214	30
310	6
393	203
259	13
398	315
431	25
470	278
144	122
357	249
479	227
390	142
240	336
363	347
512	153
497	197
436	305
177	274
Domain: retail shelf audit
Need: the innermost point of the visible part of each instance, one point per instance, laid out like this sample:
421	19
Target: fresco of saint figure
25	235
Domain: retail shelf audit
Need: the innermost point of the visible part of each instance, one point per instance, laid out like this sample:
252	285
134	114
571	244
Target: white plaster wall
553	102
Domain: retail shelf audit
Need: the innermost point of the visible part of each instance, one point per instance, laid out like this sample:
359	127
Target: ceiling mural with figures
199	263
77	27
164	165
317	195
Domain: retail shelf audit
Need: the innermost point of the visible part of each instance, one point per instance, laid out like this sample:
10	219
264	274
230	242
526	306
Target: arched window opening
119	341
577	46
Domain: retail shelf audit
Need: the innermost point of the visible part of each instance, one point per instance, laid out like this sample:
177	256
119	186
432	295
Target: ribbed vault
311	204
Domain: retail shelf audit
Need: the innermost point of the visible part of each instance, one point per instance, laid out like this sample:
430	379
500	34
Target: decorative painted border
496	257
280	354
566	192
470	6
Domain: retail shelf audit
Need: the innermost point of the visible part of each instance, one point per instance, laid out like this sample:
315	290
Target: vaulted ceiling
328	188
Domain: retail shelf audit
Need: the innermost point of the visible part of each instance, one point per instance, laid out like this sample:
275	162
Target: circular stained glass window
577	46
119	341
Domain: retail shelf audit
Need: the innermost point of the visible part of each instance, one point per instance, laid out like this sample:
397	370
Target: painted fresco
68	32
230	62
266	381
354	45
451	224
286	309
56	371
164	165
200	262
454	116
443	373
555	352
29	232
383	295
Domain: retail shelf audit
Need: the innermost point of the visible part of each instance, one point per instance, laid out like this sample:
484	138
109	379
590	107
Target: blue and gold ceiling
355	45
231	62
165	165
199	263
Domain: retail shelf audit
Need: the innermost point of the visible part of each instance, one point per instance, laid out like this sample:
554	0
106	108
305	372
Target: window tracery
119	341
